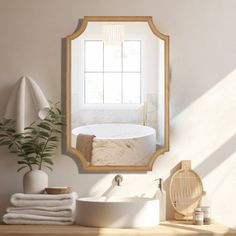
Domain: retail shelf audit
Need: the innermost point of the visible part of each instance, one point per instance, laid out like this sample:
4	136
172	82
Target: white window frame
112	105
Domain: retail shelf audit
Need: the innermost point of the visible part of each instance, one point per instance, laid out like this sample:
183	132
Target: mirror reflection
117	93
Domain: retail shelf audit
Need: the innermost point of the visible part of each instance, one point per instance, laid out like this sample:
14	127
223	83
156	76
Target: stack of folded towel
41	209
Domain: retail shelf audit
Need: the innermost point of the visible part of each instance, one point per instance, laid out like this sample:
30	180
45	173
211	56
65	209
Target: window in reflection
112	73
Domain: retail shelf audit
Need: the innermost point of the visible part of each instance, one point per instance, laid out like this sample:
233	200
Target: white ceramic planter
35	181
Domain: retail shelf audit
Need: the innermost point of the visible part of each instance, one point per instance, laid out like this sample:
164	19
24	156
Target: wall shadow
108	192
217	157
80	22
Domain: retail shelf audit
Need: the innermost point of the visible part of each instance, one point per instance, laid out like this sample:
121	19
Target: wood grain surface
170	228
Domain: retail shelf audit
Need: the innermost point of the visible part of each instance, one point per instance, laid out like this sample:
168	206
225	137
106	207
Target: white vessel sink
117	212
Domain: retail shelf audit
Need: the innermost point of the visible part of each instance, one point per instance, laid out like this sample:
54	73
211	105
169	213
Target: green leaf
59	111
52	145
53	138
57	131
22	162
28	147
44	126
49	149
21	155
48	160
12	130
3	139
29	127
34	163
48	120
59	123
29	144
44	134
30	159
21	168
6	142
28	153
46	155
49	167
17	136
28	136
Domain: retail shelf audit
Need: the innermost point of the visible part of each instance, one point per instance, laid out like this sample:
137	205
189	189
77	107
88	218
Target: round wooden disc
185	191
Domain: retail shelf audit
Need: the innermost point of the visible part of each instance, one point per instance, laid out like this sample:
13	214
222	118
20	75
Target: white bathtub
119	144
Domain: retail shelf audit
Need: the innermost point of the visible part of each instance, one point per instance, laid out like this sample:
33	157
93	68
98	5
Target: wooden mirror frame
70	150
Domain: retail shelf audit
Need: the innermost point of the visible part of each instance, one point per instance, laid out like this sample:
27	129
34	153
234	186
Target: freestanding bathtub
119	144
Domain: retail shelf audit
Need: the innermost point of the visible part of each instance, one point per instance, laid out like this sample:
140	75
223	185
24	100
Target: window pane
112	57
93	88
112	88
131	56
93	56
131	88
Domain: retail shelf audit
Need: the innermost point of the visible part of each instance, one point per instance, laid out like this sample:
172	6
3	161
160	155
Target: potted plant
35	147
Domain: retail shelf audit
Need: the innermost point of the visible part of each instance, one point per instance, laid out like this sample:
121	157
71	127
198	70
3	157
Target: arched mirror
117	93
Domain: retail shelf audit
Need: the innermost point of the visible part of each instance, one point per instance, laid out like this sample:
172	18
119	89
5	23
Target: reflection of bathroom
135	65
116	108
141	115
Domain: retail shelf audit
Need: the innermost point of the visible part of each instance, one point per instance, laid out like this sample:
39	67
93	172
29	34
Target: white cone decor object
35	181
26	103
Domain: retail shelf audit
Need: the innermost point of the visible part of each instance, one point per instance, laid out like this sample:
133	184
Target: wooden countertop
170	228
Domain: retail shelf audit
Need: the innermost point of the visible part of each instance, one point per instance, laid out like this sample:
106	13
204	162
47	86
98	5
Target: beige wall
203	100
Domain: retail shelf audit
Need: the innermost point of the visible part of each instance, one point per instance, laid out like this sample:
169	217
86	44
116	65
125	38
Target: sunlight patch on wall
206	124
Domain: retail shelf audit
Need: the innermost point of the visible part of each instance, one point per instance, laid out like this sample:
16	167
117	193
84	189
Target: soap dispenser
161	195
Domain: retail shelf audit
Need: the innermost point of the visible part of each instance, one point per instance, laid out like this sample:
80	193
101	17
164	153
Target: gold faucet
145	113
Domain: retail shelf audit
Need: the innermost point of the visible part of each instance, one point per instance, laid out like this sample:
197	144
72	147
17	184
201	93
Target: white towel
67	211
14	218
44	200
26	103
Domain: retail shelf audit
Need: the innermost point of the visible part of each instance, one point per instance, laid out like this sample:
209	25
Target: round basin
117	212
